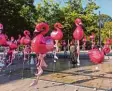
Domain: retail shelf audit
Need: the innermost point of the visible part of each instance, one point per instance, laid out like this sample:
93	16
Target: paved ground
63	77
85	76
23	85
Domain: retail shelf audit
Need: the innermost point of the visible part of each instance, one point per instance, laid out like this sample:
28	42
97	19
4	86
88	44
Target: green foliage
21	47
90	7
17	15
106	18
52	12
106	31
87	15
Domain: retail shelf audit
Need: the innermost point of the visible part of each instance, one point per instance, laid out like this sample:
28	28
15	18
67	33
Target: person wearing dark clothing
73	53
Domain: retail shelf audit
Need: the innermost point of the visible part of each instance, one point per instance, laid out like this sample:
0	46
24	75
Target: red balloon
106	49
96	56
108	42
42	45
2	39
78	33
42	27
57	33
13	46
78	22
22	40
25	41
26	32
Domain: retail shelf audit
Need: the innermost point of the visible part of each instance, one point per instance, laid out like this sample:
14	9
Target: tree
106	18
52	12
106	31
49	11
75	10
17	15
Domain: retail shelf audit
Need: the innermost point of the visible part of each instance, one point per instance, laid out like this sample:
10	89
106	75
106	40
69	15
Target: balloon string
78	49
56	45
24	53
78	52
84	45
93	44
26	50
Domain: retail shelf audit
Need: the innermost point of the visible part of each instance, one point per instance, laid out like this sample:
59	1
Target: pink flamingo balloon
96	56
41	45
2	36
44	43
92	37
57	34
2	41
25	40
78	35
108	41
18	40
106	47
12	46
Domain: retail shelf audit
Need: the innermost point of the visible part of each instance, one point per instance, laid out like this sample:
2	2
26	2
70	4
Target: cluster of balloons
96	55
42	44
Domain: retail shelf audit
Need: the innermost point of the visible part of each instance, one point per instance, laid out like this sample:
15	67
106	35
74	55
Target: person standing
64	47
73	53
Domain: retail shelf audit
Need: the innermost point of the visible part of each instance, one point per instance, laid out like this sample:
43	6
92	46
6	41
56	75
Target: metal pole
99	30
68	44
68	40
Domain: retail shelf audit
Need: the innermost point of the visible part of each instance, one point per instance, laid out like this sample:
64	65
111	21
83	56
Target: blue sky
105	6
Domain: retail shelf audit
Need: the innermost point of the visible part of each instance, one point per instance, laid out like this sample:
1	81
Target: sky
105	6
